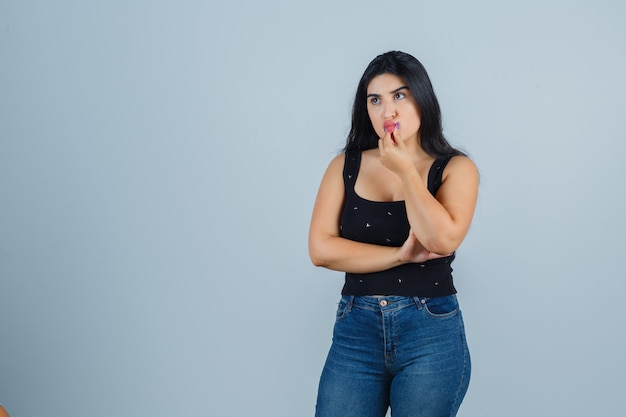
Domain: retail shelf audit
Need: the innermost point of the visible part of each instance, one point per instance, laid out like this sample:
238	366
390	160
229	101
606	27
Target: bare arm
439	223
443	223
328	249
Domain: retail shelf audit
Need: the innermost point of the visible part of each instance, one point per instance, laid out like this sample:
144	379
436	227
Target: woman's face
389	98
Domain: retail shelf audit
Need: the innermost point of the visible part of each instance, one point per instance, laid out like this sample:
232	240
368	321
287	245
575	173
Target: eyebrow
404	87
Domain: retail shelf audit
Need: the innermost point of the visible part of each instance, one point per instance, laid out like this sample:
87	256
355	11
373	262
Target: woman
390	212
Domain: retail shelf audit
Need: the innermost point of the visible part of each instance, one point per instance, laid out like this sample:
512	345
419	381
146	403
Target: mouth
390	126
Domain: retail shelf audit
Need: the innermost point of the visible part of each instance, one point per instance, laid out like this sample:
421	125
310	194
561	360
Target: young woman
390	212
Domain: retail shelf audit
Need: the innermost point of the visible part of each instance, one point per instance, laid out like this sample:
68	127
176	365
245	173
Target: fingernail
397	125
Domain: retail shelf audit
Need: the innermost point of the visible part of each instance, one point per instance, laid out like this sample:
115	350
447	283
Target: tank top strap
435	174
351	169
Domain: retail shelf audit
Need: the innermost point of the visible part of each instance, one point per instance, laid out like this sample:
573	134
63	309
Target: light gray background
158	167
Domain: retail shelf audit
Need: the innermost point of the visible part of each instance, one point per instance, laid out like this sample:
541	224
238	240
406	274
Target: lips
390	126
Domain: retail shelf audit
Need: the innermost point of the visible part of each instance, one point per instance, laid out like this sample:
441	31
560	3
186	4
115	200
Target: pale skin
396	170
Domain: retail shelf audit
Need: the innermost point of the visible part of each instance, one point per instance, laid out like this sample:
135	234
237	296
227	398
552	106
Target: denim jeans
407	353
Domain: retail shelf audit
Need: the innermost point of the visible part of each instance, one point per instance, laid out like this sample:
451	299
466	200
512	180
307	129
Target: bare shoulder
460	166
337	162
459	183
333	177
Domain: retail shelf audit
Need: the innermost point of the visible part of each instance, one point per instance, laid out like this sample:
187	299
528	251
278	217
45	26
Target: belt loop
350	302
418	302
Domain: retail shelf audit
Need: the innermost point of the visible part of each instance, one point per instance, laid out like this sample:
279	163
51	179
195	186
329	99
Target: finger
388	139
398	139
388	136
385	141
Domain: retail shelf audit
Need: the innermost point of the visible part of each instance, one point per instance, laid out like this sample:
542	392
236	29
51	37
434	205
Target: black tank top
386	223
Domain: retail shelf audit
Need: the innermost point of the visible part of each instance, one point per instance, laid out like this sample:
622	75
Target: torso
377	215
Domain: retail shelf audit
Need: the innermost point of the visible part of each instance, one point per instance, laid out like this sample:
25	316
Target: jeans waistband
386	302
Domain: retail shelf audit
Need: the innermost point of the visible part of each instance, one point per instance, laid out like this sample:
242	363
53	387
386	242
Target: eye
375	100
399	96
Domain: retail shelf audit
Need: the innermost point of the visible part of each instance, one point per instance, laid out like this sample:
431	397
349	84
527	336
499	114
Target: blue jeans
407	353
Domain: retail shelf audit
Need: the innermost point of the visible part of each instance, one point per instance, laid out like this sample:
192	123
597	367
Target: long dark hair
362	135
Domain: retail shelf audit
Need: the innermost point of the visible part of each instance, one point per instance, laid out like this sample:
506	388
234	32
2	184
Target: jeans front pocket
442	307
342	309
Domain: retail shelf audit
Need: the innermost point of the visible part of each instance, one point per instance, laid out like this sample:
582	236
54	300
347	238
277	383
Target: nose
390	111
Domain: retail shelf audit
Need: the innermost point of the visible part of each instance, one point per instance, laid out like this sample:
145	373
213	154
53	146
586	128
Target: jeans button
383	303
